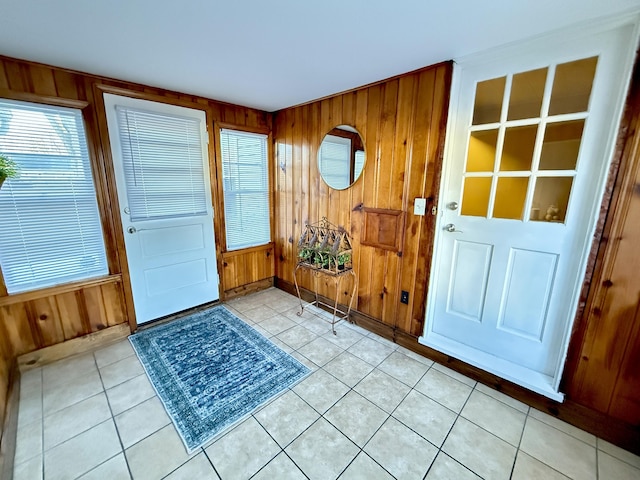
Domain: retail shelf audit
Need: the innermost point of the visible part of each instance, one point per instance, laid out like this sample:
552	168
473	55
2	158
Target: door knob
452	205
131	230
450	227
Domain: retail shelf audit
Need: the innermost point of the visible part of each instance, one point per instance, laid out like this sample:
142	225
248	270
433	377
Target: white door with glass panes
528	148
162	176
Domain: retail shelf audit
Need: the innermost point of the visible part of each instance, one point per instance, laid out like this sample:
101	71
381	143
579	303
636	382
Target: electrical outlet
404	297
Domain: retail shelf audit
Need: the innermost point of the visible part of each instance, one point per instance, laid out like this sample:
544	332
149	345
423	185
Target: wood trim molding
242	251
9	432
49	100
57	290
73	347
180	102
242	128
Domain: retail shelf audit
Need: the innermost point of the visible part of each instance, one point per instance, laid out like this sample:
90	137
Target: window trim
220	214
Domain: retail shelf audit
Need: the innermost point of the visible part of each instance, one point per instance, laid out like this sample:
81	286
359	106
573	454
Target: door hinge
434	210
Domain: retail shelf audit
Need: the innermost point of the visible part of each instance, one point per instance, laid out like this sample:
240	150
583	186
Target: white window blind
245	177
335	161
50	231
163	164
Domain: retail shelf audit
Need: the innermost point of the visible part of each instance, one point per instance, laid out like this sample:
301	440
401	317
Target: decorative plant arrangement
8	168
323	246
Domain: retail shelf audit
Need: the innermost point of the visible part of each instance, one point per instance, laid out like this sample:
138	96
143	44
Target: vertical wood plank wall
603	370
42	318
402	122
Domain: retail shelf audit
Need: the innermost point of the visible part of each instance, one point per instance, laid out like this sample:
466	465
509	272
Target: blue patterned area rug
211	369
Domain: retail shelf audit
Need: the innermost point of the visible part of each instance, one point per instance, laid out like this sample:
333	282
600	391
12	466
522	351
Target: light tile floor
370	410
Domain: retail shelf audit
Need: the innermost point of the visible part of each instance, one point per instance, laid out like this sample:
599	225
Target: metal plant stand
337	279
325	249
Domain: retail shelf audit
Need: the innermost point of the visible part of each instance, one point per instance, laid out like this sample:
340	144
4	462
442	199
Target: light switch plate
419	206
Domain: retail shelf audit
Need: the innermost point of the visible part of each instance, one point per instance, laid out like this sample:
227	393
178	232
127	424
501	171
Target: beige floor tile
130	393
165	448
613	469
415	356
82	453
243	451
348	368
297	337
446	468
356	417
198	468
259	313
121	371
114	353
444	389
28	442
113	469
320	351
512	402
280	468
478	450
453	374
30	402
426	417
141	421
281	345
286	417
322	452
262	331
277	324
401	452
528	468
304	360
371	351
69	422
559	450
586	437
321	390
316	323
57	396
344	337
496	417
364	468
385	391
65	370
619	453
385	341
28	470
403	368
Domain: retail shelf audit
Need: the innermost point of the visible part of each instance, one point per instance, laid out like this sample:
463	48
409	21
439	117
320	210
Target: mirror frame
357	144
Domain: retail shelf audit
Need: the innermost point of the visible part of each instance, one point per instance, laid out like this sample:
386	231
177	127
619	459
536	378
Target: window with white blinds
245	177
335	161
50	231
163	164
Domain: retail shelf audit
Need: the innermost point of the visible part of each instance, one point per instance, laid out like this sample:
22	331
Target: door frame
515	53
99	89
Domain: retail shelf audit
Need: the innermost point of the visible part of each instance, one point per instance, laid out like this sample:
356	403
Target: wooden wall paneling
42	81
388	116
45	317
606	342
4	81
17	328
72	319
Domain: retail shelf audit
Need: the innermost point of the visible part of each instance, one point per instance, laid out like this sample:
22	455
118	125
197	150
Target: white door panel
528	144
162	176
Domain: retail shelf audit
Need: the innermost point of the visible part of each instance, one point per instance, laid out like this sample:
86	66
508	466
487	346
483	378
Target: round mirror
341	157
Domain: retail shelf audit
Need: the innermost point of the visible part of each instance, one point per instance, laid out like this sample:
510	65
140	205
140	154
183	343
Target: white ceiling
272	54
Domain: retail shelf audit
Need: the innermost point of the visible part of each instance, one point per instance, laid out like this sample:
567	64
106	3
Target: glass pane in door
527	90
510	196
517	151
488	102
482	151
551	199
475	199
561	145
572	86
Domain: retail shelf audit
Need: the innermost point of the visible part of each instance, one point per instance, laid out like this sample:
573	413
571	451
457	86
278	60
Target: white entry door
162	175
530	139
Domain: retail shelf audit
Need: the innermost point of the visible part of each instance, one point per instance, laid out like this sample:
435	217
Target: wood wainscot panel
247	266
383	228
402	123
